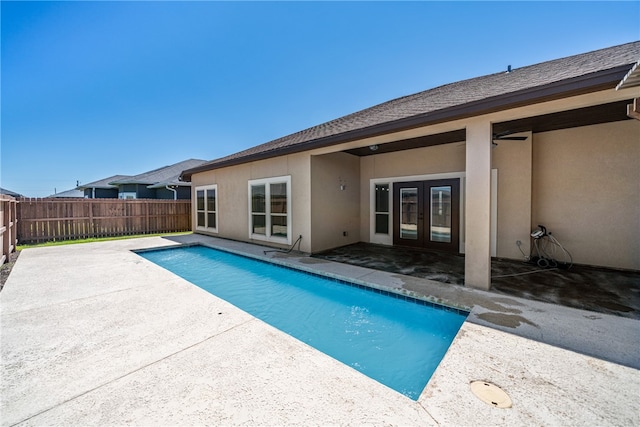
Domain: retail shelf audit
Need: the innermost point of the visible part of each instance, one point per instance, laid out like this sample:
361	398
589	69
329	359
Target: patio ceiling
597	114
410	144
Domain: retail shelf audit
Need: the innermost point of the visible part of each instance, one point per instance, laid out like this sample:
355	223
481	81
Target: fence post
4	230
14	226
147	227
8	225
91	230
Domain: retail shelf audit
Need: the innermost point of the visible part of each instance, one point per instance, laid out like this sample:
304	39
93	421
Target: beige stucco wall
431	160
335	198
512	159
233	201
586	191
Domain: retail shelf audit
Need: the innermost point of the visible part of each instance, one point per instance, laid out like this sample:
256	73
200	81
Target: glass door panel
409	213
440	221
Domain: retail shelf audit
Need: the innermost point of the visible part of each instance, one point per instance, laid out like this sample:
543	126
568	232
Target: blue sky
94	89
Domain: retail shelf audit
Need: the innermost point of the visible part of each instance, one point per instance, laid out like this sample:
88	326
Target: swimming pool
396	341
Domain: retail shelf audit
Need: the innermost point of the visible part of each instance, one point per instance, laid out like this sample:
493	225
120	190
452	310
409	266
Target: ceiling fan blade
501	134
504	136
510	138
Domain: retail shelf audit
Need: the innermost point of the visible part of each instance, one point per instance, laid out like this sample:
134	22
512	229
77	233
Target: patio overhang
597	114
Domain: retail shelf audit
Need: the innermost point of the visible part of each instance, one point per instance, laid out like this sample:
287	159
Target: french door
427	214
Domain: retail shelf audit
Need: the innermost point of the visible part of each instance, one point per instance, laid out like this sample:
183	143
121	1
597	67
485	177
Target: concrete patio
93	334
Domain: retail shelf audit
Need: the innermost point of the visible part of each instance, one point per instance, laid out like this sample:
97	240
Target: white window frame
387	213
206	212
267	185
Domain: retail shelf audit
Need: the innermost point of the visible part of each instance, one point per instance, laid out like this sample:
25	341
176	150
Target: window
270	209
207	208
382	208
127	195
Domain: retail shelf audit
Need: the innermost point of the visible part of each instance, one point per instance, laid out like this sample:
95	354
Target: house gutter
175	192
588	83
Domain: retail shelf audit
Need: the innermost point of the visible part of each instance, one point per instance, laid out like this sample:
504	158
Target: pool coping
74	352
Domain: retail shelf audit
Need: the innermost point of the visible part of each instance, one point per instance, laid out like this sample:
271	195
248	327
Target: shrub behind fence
43	220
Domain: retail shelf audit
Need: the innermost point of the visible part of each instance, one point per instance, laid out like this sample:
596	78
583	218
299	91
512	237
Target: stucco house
161	183
101	189
470	167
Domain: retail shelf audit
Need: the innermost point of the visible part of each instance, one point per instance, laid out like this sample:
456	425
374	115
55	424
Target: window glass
382	198
440	214
278	198
211	200
279	226
211	219
409	213
258	198
200	200
259	224
382	223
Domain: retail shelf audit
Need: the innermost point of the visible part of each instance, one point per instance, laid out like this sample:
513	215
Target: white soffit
632	78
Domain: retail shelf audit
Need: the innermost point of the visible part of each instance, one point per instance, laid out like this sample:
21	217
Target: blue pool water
395	341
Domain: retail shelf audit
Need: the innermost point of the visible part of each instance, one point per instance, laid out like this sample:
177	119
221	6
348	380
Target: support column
477	264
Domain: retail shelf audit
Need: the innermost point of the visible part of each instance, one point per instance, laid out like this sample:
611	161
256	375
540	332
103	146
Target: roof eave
165	184
587	83
631	79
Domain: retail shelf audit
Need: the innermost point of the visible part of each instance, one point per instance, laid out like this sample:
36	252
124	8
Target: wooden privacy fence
8	226
43	220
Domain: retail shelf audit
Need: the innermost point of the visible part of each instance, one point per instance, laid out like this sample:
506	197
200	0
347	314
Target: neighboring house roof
166	174
573	75
9	193
68	194
103	183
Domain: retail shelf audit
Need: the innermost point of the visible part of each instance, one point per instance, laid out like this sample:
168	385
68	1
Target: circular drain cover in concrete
491	394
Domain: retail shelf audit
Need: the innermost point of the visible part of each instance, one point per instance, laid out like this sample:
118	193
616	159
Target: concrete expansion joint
69	301
428	413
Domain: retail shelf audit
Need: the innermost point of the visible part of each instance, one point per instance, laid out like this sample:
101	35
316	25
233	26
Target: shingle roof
482	94
164	174
103	183
77	194
9	193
